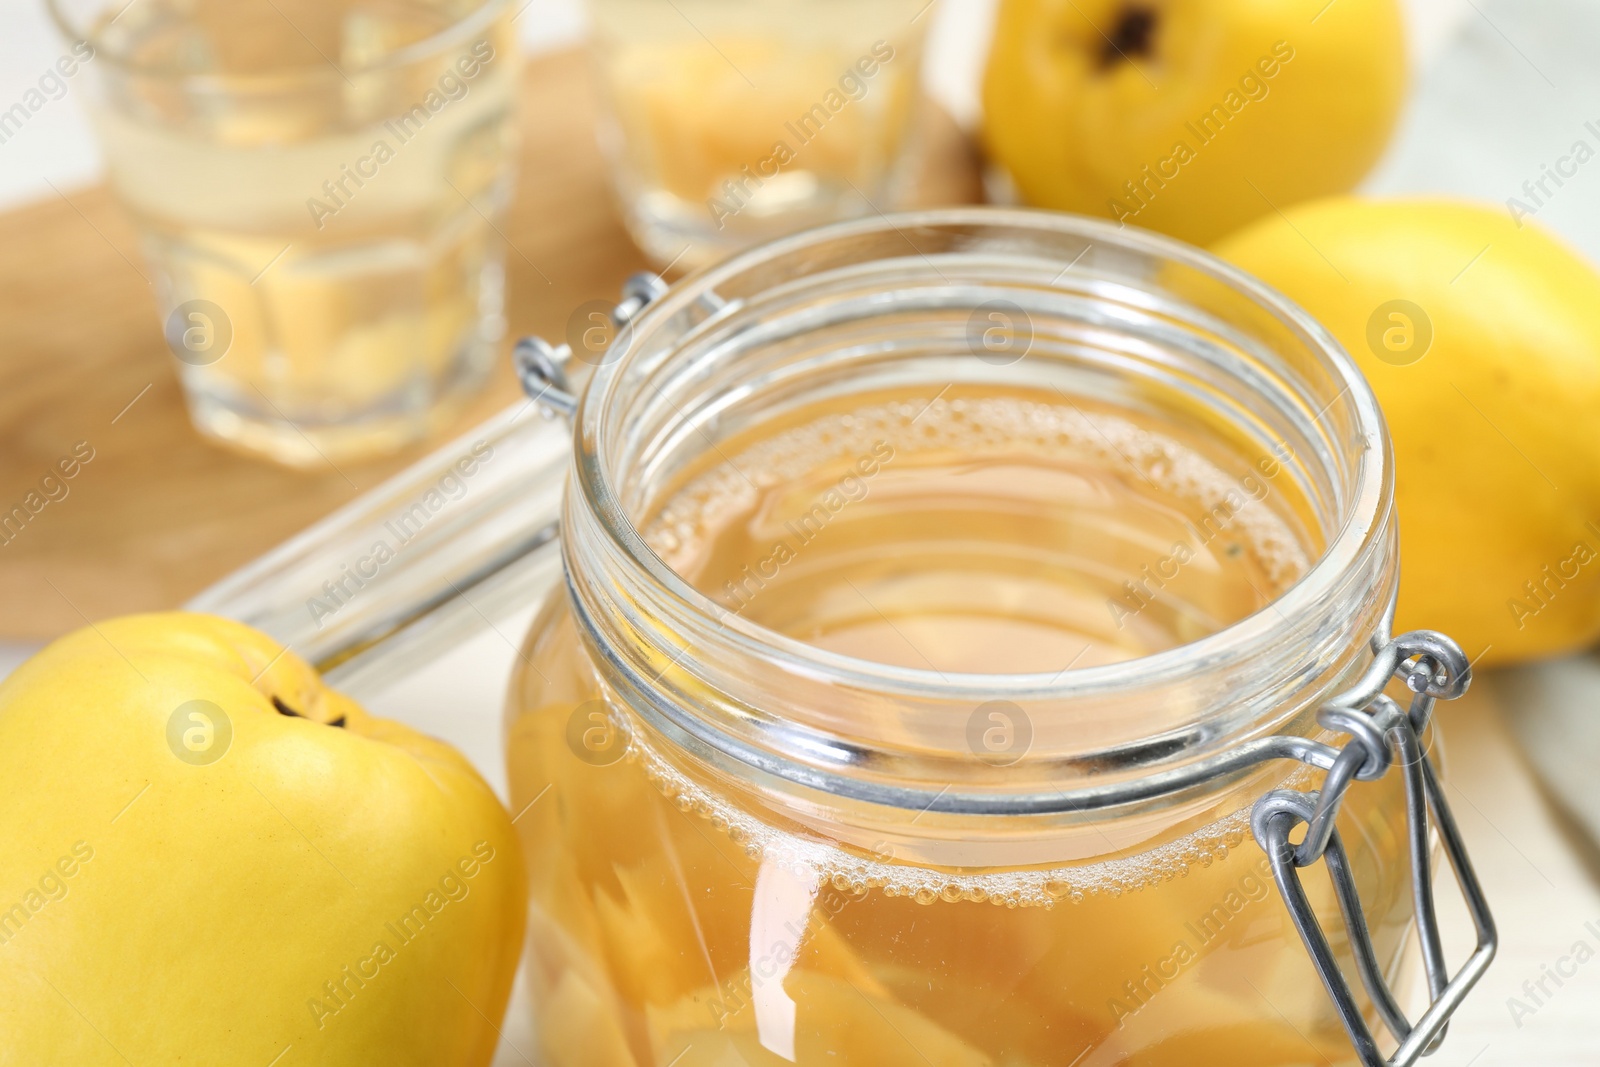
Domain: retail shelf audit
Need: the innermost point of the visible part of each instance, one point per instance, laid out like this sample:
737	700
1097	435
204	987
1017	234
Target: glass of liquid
728	123
317	186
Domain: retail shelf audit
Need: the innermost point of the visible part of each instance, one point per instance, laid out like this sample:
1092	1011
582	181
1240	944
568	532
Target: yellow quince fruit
212	858
1481	338
1191	117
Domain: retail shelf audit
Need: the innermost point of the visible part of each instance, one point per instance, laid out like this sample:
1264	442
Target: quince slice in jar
581	1027
833	1019
662	938
1222	1039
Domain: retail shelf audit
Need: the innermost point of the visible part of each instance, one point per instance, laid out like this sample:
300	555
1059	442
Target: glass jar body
664	930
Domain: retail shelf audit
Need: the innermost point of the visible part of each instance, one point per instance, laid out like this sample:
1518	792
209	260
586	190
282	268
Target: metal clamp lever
1433	668
542	367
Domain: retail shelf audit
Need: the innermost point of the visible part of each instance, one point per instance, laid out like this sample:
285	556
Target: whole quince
1481	338
213	858
1191	117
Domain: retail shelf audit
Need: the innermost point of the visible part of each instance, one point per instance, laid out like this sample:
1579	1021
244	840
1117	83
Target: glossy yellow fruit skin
1496	424
1316	89
190	910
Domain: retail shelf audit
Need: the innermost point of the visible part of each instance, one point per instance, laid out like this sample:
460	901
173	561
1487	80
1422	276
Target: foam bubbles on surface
974	425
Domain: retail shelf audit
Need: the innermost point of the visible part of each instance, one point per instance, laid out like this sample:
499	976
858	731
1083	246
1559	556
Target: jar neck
1132	317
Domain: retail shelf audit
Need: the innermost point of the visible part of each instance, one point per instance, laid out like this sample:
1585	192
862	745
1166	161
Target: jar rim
1361	525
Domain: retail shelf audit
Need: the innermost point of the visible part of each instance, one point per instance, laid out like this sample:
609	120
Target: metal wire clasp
542	367
1381	734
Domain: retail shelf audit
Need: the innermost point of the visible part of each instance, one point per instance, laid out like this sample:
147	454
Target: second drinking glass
728	123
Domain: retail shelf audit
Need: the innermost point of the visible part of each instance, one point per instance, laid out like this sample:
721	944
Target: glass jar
806	757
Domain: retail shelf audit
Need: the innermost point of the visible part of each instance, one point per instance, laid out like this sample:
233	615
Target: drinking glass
732	122
317	186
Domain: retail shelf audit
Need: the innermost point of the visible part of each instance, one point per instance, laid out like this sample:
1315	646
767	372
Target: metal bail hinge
1382	735
542	367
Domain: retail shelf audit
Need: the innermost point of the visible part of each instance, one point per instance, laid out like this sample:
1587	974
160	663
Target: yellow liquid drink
730	123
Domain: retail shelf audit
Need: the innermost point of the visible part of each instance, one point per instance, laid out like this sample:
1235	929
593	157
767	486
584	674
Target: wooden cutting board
158	512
